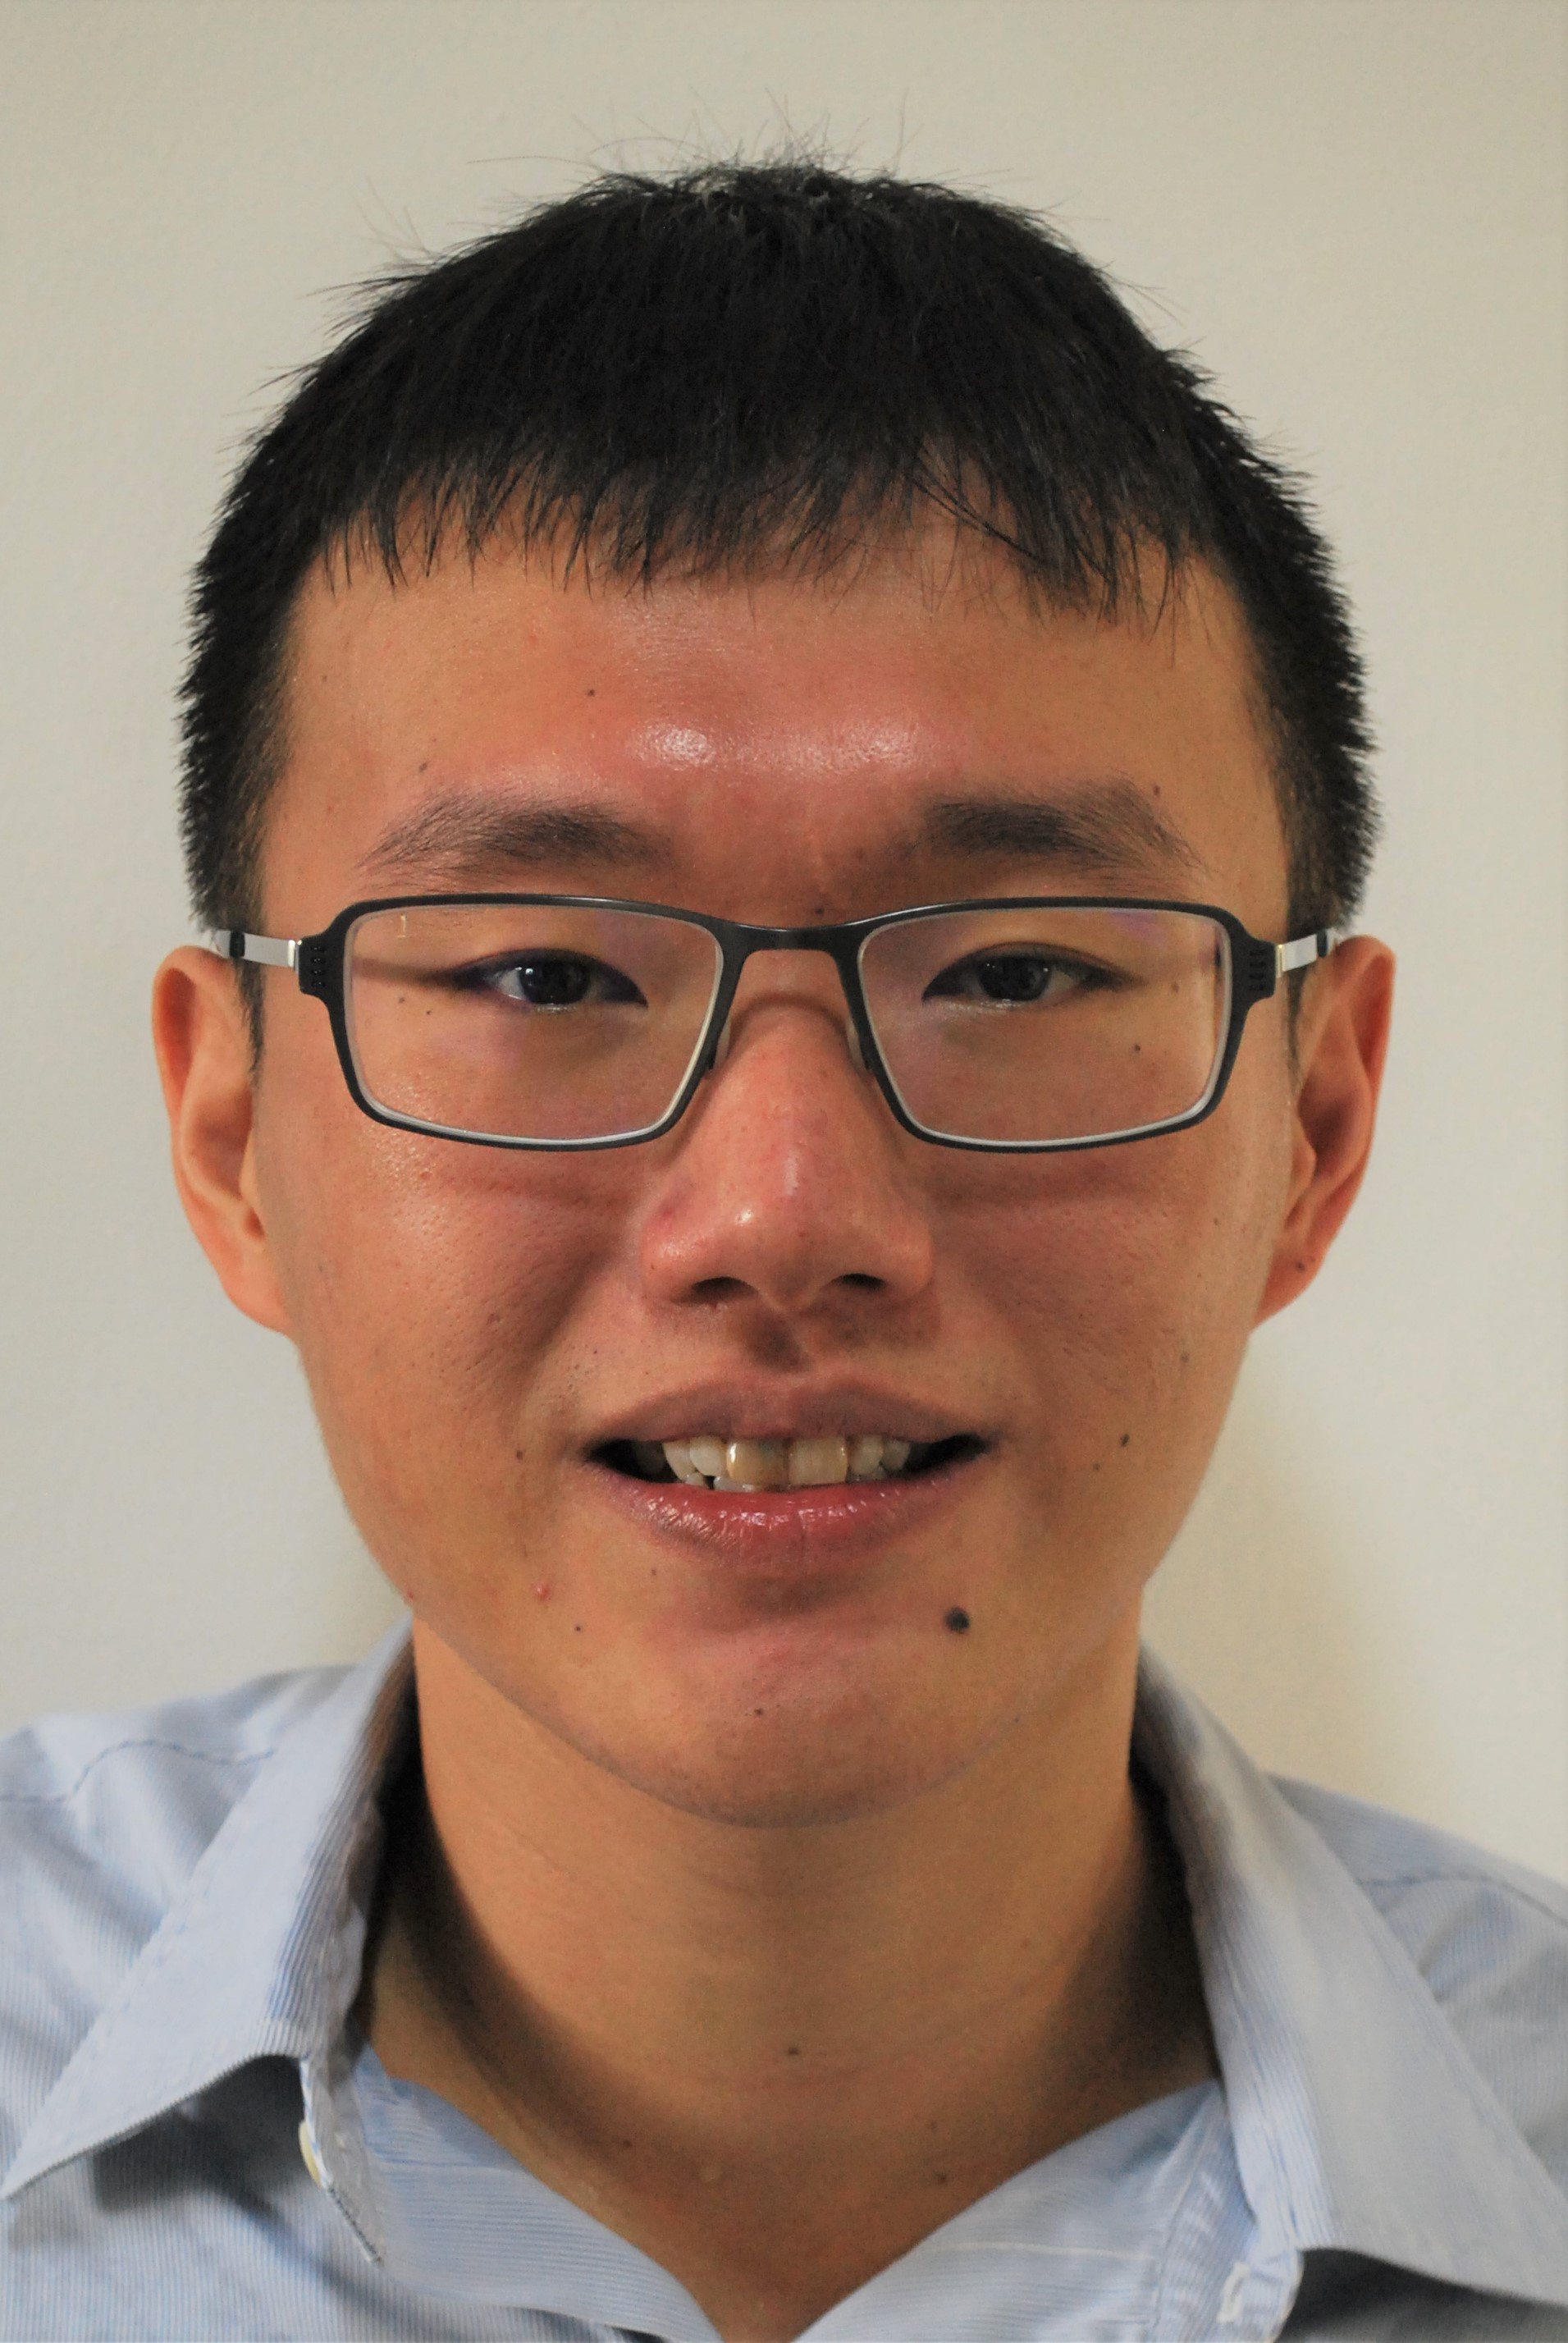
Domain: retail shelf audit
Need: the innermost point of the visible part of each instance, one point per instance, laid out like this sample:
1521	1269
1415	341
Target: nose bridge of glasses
759	983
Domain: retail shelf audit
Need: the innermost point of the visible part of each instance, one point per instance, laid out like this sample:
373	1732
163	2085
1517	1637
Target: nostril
719	1289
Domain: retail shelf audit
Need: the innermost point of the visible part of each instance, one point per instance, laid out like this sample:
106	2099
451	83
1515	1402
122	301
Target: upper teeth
707	1461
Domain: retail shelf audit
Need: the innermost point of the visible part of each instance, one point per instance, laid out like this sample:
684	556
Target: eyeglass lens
1048	1024
564	1022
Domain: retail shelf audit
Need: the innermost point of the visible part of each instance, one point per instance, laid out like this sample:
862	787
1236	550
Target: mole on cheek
958	1621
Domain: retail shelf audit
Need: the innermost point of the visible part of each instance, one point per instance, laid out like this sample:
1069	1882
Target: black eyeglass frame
320	962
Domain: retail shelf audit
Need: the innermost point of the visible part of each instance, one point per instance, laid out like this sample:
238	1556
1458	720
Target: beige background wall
1353	209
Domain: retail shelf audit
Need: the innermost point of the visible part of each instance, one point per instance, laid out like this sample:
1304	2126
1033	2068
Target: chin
789	1789
861	1744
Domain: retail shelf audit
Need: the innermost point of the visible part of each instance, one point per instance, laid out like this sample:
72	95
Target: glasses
1025	1024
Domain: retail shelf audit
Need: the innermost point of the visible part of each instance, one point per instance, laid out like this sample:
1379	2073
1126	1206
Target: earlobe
1342	1041
202	1038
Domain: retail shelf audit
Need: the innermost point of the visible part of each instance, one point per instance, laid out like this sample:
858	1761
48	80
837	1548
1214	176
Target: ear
1341	1038
202	1037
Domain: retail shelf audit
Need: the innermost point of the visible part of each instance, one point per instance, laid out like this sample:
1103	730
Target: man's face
479	1326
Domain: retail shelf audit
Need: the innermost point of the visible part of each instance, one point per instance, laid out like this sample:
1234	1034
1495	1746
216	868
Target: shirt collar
259	1954
1358	2119
1360	2122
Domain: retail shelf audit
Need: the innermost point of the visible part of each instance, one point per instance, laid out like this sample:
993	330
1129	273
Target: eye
1010	979
553	980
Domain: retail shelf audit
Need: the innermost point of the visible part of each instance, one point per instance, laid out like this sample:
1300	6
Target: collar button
312	2161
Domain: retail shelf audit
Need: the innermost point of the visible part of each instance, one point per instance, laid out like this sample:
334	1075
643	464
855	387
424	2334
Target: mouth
716	1461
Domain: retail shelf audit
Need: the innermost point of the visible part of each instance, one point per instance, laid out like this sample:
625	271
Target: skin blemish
542	1591
576	1627
1125	1438
956	1621
759	1712
793	2051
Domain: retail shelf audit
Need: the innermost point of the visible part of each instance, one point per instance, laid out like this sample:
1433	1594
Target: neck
672	2020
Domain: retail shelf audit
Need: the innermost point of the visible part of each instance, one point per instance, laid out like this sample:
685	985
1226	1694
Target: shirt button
309	2154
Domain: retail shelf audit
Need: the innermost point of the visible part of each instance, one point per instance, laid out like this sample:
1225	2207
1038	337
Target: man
778	798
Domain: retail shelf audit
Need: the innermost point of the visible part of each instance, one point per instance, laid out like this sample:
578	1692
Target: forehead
488	711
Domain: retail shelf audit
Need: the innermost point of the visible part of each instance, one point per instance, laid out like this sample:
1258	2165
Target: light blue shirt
196	2143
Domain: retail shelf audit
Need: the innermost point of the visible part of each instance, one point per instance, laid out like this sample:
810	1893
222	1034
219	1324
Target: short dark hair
766	366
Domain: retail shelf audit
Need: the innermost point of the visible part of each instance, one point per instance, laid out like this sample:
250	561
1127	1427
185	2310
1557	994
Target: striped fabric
195	2143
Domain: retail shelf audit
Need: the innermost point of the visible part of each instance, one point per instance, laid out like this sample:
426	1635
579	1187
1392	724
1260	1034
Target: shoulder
137	1793
1490	1939
1468	1917
103	1820
51	1757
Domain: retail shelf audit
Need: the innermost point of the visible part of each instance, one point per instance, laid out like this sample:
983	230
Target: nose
790	1182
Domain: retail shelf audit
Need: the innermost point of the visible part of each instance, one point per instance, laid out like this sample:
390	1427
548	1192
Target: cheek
429	1286
1129	1281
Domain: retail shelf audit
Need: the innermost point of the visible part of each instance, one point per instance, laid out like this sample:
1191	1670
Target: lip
739	1410
797	1534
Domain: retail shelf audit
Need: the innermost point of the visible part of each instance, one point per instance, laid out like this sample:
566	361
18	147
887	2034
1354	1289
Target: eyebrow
467	835
1099	830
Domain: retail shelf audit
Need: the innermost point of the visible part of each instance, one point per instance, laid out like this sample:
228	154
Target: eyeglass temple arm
266	952
1302	950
